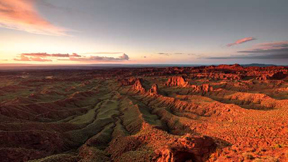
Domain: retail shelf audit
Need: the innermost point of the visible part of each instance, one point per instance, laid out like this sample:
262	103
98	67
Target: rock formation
187	148
202	88
154	90
137	86
126	82
278	76
177	81
167	148
263	77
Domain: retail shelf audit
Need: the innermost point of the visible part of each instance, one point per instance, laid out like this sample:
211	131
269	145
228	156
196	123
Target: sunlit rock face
137	86
177	81
154	90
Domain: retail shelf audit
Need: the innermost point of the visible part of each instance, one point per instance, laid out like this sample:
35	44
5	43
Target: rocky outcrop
262	77
154	90
202	88
126	82
278	76
177	81
137	86
180	81
187	148
156	145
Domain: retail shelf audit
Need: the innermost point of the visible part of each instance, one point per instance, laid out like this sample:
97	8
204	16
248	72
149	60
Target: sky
143	31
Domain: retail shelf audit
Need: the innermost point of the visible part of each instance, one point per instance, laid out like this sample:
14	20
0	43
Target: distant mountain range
260	65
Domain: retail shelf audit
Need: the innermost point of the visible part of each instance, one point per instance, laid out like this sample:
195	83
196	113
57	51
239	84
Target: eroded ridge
213	113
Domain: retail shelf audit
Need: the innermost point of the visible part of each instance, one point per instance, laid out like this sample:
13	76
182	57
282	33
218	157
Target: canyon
166	114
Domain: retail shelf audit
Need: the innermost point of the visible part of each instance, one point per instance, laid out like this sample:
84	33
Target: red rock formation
202	88
262	77
278	76
229	67
126	82
157	145
206	88
177	81
192	148
137	86
154	90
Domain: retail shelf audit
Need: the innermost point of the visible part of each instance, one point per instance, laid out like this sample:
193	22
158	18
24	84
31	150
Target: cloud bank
45	57
122	57
274	50
178	53
104	53
240	41
22	15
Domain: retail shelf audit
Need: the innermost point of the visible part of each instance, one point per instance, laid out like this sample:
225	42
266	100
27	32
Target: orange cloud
26	58
240	41
22	15
50	55
44	57
123	57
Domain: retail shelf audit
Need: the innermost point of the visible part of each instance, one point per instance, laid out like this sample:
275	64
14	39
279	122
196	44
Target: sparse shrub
277	146
248	156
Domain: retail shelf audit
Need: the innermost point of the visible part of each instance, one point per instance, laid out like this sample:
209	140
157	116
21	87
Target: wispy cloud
50	55
52	6
177	53
44	57
274	50
165	54
105	53
123	57
27	58
240	41
22	15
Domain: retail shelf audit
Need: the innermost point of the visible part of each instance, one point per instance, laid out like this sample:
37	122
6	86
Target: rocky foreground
214	113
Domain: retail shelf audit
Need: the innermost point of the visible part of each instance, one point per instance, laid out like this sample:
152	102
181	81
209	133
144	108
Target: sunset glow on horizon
143	32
